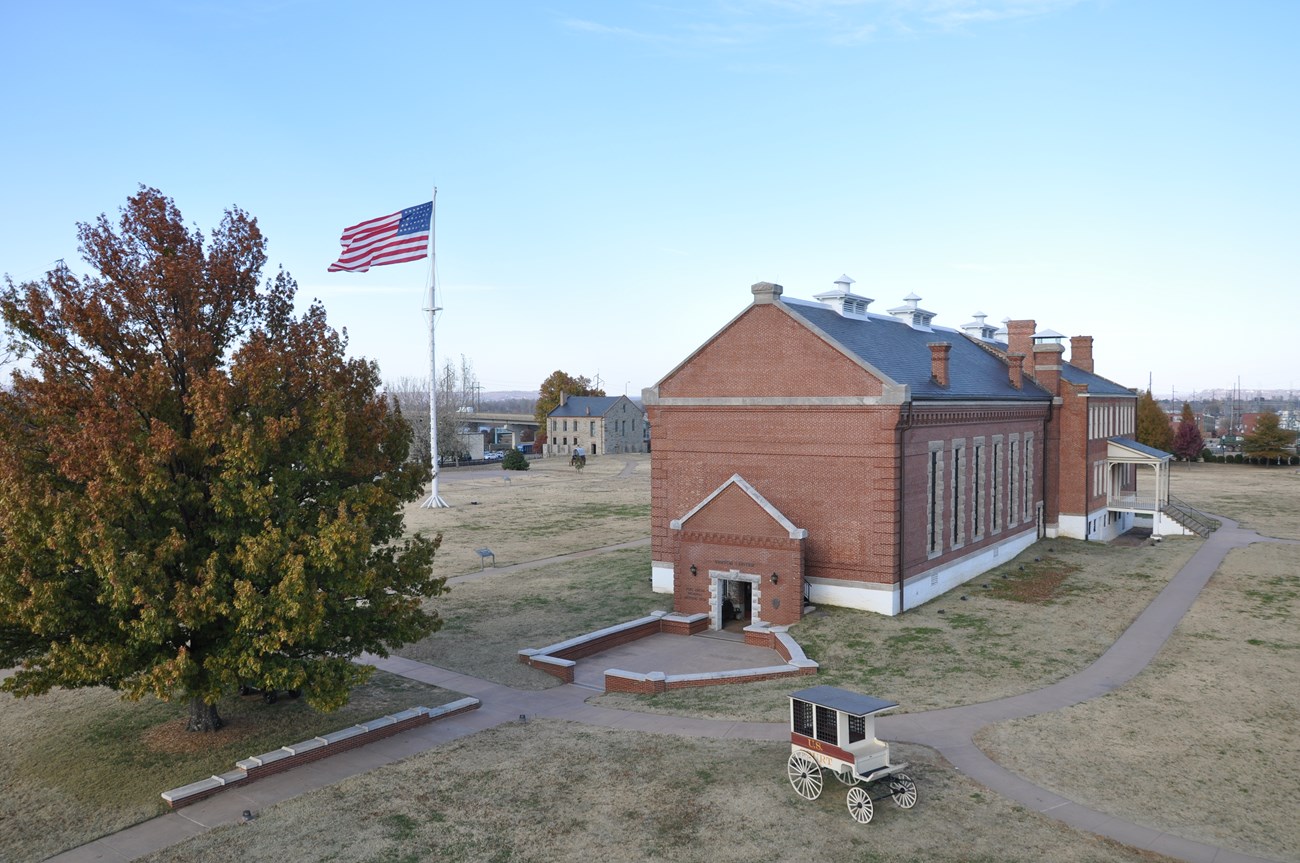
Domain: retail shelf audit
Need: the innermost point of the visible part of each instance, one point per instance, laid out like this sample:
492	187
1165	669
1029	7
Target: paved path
950	731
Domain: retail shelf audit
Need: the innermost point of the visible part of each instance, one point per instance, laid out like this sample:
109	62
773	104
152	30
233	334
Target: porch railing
1141	503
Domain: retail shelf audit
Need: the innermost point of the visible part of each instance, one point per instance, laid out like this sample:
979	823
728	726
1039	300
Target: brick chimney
1020	337
1081	352
939	361
1016	370
1047	365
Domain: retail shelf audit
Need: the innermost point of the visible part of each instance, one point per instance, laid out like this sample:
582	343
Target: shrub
514	460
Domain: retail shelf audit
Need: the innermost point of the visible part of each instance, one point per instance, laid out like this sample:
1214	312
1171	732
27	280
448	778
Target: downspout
904	423
1042	469
1087	489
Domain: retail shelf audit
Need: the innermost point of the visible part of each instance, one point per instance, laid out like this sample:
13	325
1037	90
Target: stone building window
996	486
958	504
934	504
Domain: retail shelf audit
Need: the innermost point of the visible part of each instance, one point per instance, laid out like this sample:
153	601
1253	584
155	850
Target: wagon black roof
843	700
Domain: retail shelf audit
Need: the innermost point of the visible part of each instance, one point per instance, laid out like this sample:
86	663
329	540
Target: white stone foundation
923	588
885	599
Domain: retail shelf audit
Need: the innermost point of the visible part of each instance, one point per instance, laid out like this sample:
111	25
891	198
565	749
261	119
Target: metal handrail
1191	517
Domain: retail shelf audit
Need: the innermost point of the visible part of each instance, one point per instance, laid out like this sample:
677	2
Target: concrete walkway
950	732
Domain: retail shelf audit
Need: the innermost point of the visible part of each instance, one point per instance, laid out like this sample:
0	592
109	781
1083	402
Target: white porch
1134	493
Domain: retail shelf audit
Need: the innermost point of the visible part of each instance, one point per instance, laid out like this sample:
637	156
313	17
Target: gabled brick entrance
736	536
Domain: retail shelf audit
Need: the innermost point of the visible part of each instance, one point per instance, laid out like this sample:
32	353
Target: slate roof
582	406
902	353
1151	451
1096	383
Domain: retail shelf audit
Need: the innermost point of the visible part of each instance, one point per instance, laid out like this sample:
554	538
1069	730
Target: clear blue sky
613	176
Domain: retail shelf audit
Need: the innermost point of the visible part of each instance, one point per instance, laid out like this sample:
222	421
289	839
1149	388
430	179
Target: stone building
598	424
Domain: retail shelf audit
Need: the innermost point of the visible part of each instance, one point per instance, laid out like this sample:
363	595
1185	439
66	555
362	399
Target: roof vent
912	314
978	329
843	300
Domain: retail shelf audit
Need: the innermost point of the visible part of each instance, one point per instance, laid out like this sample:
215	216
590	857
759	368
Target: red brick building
815	450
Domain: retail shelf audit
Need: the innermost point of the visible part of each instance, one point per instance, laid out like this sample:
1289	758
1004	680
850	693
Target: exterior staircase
1190	517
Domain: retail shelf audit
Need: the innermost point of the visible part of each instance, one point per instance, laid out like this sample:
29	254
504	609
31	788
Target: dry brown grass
1266	499
548	510
554	791
1043	616
76	765
488	620
1206	742
550	791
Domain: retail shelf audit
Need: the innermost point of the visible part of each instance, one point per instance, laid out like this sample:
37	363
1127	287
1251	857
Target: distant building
815	451
599	424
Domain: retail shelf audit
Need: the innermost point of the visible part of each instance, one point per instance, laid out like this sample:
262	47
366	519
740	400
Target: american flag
393	239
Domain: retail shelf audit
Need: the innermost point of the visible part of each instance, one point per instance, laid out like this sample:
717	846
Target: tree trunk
203	716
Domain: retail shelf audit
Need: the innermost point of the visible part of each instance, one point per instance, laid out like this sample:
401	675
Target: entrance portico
735	551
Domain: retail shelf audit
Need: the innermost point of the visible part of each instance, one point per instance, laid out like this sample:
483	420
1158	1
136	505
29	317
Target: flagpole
434	501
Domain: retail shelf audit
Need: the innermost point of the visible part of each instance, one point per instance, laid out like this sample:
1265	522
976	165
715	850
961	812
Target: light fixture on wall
693	569
775	578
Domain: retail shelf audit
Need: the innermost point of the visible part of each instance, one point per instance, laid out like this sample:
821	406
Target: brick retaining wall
294	755
559	659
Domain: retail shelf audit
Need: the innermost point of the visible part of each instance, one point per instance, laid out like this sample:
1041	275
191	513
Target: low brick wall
287	757
758	635
684	624
656	682
558	659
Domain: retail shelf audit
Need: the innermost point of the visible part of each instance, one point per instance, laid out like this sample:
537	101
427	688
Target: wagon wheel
848	776
903	790
805	775
860	806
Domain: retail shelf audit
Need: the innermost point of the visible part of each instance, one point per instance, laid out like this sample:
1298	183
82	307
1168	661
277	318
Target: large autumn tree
198	488
548	394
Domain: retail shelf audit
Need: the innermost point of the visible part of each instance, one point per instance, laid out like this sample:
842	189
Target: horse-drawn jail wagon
835	730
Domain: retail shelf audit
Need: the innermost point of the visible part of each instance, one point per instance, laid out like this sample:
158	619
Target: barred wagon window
826	730
857	728
803	718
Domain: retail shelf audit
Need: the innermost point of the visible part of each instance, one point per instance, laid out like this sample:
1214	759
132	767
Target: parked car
493	456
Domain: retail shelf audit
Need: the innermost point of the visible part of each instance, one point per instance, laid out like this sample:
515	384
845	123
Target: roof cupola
843	300
978	329
912	314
